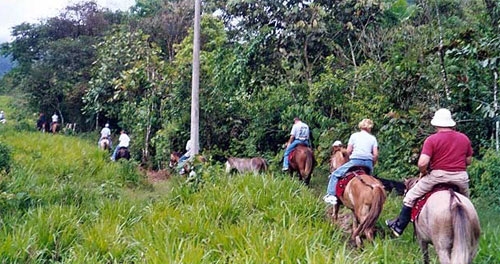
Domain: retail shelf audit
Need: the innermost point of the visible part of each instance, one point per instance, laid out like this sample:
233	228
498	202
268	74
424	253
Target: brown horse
449	221
123	153
365	196
242	165
175	157
54	126
338	157
302	161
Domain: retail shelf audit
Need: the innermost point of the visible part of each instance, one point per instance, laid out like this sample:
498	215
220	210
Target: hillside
64	201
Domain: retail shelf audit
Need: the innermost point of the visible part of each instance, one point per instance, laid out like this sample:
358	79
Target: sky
15	12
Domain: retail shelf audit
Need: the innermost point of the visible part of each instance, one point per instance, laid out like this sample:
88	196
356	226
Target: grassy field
63	201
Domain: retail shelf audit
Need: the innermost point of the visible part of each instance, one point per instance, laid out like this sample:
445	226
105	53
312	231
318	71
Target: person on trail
55	118
106	133
41	123
123	142
299	135
337	145
444	158
185	157
2	117
363	151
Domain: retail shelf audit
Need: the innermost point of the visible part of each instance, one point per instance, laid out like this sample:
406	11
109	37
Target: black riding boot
399	224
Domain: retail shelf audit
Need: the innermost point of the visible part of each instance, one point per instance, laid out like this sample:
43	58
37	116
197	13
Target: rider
363	151
298	135
106	133
123	142
2	117
185	157
447	153
55	119
40	123
337	145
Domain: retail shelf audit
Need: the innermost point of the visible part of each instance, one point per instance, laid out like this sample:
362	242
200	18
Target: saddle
419	204
351	173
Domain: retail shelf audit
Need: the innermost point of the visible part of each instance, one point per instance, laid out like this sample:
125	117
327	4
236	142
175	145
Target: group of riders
43	125
123	140
444	158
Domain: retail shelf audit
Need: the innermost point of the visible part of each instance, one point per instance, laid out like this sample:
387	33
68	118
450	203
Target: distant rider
298	135
2	117
106	133
185	157
123	142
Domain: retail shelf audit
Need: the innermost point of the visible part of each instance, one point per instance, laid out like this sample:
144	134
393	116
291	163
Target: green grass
64	202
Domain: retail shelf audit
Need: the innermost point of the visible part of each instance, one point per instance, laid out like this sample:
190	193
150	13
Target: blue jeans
289	149
182	160
341	171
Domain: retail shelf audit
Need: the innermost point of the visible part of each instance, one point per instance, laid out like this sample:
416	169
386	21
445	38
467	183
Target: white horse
449	221
242	165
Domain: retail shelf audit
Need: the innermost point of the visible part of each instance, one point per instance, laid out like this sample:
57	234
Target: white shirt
55	118
124	140
362	145
300	131
105	132
189	147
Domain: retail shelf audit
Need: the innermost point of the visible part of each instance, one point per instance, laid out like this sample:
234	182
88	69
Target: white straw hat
337	143
442	118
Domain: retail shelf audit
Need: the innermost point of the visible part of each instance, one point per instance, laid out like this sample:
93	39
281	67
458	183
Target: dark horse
302	161
174	160
123	153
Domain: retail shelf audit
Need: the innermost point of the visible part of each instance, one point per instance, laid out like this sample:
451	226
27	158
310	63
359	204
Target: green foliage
5	157
484	177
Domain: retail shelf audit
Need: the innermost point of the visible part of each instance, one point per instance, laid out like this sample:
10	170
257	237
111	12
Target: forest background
332	63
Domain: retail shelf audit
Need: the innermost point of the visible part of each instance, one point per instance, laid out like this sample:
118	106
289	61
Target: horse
104	143
54	126
302	161
123	152
338	157
255	165
365	196
449	221
175	157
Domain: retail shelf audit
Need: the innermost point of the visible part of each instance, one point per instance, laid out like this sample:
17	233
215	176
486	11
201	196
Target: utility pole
195	84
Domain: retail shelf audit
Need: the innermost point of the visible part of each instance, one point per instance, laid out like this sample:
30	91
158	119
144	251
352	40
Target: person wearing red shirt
444	158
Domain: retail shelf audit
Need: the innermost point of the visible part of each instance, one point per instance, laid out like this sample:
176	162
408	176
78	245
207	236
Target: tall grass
63	201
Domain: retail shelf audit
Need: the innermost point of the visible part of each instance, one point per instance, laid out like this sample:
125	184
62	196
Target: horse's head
339	157
174	159
410	182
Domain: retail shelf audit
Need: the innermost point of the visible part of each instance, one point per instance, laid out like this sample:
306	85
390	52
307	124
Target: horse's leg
336	211
424	246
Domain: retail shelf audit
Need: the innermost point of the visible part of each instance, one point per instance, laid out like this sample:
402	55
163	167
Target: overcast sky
15	12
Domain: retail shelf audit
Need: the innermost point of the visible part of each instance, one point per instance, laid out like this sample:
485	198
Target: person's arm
290	140
468	160
349	150
423	164
375	155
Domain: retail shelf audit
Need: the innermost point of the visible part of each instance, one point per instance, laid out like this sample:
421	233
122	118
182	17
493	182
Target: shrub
484	177
5	157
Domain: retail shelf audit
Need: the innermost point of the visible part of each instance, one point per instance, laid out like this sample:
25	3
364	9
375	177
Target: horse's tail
264	165
465	232
309	164
375	209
